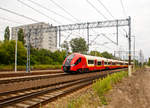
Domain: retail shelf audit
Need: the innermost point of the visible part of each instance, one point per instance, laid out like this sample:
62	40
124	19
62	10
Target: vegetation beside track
34	67
99	88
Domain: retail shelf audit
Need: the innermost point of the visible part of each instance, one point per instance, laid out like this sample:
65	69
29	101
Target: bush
101	86
7	53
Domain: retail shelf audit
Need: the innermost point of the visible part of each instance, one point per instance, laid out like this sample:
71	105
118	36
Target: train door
95	64
103	64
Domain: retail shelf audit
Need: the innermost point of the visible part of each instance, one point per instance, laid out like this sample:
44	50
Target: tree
95	53
107	55
148	62
21	35
7	53
66	47
79	45
7	33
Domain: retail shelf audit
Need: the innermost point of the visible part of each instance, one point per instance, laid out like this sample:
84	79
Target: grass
23	68
102	86
99	87
88	100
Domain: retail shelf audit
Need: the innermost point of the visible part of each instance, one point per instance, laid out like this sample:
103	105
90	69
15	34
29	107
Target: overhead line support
129	24
117	31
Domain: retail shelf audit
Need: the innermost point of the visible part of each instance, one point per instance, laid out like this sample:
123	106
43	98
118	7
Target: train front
71	63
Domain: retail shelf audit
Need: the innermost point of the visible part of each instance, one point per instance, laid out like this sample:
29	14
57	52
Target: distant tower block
41	36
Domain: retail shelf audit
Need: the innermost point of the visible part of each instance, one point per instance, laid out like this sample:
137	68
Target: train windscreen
68	61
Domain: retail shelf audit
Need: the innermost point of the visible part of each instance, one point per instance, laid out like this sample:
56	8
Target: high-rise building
40	35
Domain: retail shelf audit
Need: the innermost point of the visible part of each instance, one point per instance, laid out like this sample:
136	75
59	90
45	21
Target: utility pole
117	32
28	52
59	35
29	49
134	51
129	66
16	52
129	40
88	35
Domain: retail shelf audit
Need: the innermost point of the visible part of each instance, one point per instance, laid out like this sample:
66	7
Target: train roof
100	58
95	57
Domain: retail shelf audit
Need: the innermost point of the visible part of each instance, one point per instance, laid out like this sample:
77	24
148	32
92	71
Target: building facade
40	35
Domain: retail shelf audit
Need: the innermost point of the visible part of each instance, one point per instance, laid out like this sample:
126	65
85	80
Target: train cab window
90	61
78	61
99	63
69	59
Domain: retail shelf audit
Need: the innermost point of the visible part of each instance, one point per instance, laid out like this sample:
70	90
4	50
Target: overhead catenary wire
106	8
50	10
64	10
103	16
124	12
39	12
109	12
99	13
10	20
18	14
96	9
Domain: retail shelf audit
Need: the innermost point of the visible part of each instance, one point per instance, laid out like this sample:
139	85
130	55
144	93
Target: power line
64	10
18	14
96	9
9	20
109	12
106	9
50	10
39	12
123	8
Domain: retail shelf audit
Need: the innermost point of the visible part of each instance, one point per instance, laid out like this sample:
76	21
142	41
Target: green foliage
41	59
148	62
107	55
95	53
79	45
7	53
36	67
7	33
21	35
44	56
65	45
23	67
101	86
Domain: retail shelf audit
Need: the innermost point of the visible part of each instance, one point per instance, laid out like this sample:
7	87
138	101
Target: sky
81	11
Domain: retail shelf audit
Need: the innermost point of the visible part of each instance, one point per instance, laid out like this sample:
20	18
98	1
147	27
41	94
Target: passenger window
99	63
113	63
109	63
78	61
105	63
90	61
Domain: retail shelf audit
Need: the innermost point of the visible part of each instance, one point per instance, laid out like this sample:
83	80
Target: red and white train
78	63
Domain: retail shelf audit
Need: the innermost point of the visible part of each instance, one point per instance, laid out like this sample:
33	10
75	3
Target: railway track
19	74
38	96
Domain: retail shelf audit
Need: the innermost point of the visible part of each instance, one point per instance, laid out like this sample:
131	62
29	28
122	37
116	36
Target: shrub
101	86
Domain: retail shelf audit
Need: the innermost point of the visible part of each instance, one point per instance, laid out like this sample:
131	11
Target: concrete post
129	70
